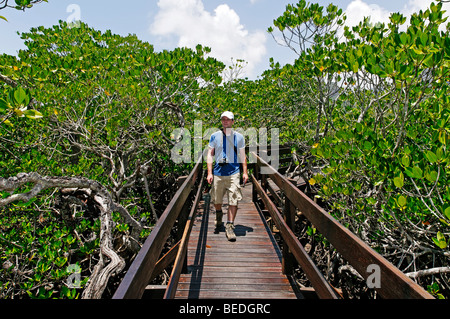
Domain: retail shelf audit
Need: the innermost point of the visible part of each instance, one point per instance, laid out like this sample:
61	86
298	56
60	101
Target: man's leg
234	196
229	228
232	211
219	215
217	193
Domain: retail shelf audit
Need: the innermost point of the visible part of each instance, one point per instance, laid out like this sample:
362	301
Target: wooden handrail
323	289
165	261
182	251
140	271
393	283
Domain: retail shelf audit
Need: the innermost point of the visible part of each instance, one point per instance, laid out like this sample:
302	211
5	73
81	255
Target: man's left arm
244	164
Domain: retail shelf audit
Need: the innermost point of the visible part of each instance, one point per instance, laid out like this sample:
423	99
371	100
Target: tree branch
428	272
8	81
103	270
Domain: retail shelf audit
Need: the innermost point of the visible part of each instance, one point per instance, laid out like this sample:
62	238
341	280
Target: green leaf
6	121
20	95
401	201
399	181
417	172
355	67
3	105
359	127
33	114
447	212
403	38
217	80
2	17
440	240
431	156
431	176
424	38
405	161
367	145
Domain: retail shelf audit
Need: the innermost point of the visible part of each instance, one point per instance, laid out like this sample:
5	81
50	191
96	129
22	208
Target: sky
233	29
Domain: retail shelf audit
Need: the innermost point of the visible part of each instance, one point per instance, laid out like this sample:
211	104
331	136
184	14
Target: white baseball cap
228	114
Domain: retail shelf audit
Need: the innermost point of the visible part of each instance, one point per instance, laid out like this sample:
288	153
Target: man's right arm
209	164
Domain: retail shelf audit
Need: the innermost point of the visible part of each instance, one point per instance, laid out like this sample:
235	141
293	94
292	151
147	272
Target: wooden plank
250	267
224	250
253	256
236	271
239	264
238	257
224	287
225	279
212	294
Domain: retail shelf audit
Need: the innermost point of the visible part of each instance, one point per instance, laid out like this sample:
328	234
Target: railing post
263	176
182	219
264	182
288	262
256	174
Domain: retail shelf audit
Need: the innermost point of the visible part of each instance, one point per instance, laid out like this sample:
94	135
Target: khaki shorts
229	185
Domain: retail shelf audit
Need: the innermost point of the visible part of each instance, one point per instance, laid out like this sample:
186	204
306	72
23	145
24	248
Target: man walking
228	149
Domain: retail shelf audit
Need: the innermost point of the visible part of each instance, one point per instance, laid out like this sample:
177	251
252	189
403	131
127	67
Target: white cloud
416	5
358	9
220	30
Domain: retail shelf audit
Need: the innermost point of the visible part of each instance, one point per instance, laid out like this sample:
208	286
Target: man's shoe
218	222
229	231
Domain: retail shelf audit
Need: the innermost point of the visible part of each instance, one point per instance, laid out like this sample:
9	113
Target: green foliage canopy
365	109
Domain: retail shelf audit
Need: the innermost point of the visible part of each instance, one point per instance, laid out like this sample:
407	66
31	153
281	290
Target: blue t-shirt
224	152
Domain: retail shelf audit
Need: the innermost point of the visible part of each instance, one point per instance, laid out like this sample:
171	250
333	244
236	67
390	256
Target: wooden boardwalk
250	267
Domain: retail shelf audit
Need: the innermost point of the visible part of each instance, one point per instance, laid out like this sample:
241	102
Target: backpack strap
234	145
